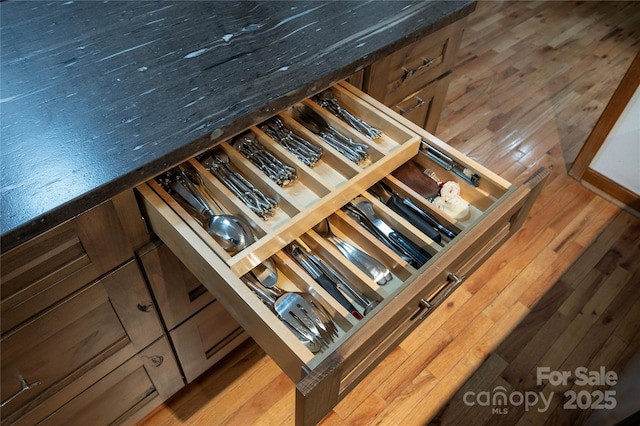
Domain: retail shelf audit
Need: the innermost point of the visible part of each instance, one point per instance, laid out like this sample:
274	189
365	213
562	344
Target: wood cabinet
414	80
200	329
81	338
496	210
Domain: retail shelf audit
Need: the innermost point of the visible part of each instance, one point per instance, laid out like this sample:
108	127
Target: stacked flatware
282	174
300	312
328	101
218	164
304	150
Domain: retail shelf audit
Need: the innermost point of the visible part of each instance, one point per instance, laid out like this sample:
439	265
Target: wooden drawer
66	348
178	293
409	69
204	339
324	378
425	106
48	268
128	393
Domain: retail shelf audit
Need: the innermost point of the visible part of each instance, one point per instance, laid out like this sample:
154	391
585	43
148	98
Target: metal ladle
362	260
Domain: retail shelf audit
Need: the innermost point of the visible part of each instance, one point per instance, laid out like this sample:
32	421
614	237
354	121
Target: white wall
619	156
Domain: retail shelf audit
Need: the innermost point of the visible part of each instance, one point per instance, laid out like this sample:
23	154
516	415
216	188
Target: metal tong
319	274
327	99
450	164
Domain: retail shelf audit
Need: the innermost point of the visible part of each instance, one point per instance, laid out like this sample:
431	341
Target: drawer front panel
74	338
409	69
59	262
425	106
127	393
495	211
204	339
178	293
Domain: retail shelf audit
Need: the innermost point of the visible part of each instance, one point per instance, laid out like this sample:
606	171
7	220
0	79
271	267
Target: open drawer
495	210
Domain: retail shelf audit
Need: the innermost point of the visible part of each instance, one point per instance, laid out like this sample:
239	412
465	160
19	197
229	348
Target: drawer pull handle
425	307
24	386
456	280
145	307
425	63
416	106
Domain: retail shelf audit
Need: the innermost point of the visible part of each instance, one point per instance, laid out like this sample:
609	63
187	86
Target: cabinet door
410	69
61	351
45	270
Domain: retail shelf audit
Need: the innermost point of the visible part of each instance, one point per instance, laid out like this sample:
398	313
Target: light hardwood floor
531	80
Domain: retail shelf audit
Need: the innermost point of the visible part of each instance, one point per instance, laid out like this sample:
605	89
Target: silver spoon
232	234
363	261
264	272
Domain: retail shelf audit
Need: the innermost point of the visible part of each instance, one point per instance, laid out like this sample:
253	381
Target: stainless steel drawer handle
425	307
425	63
416	106
24	386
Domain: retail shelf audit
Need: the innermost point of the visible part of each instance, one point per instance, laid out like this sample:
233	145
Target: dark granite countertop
97	97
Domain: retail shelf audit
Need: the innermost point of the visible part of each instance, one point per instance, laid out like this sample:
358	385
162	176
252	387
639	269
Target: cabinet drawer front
204	339
178	293
74	338
410	69
59	262
133	389
495	211
425	106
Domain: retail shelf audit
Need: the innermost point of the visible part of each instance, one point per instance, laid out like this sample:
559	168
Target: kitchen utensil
303	149
327	99
362	260
301	256
219	165
361	209
354	151
232	234
282	174
314	328
413	176
428	217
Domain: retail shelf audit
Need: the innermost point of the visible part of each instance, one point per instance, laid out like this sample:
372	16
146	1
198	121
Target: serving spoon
362	260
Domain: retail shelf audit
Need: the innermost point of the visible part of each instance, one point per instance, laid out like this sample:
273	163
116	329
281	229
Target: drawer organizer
324	377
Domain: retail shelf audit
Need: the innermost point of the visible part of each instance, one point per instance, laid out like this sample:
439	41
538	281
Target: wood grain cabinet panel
47	268
496	209
413	80
201	330
178	293
205	339
127	393
63	350
425	106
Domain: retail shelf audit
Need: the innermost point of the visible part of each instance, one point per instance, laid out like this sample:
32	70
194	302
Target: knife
417	254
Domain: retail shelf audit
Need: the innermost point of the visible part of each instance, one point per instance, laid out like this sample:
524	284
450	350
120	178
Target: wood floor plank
368	387
456	410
